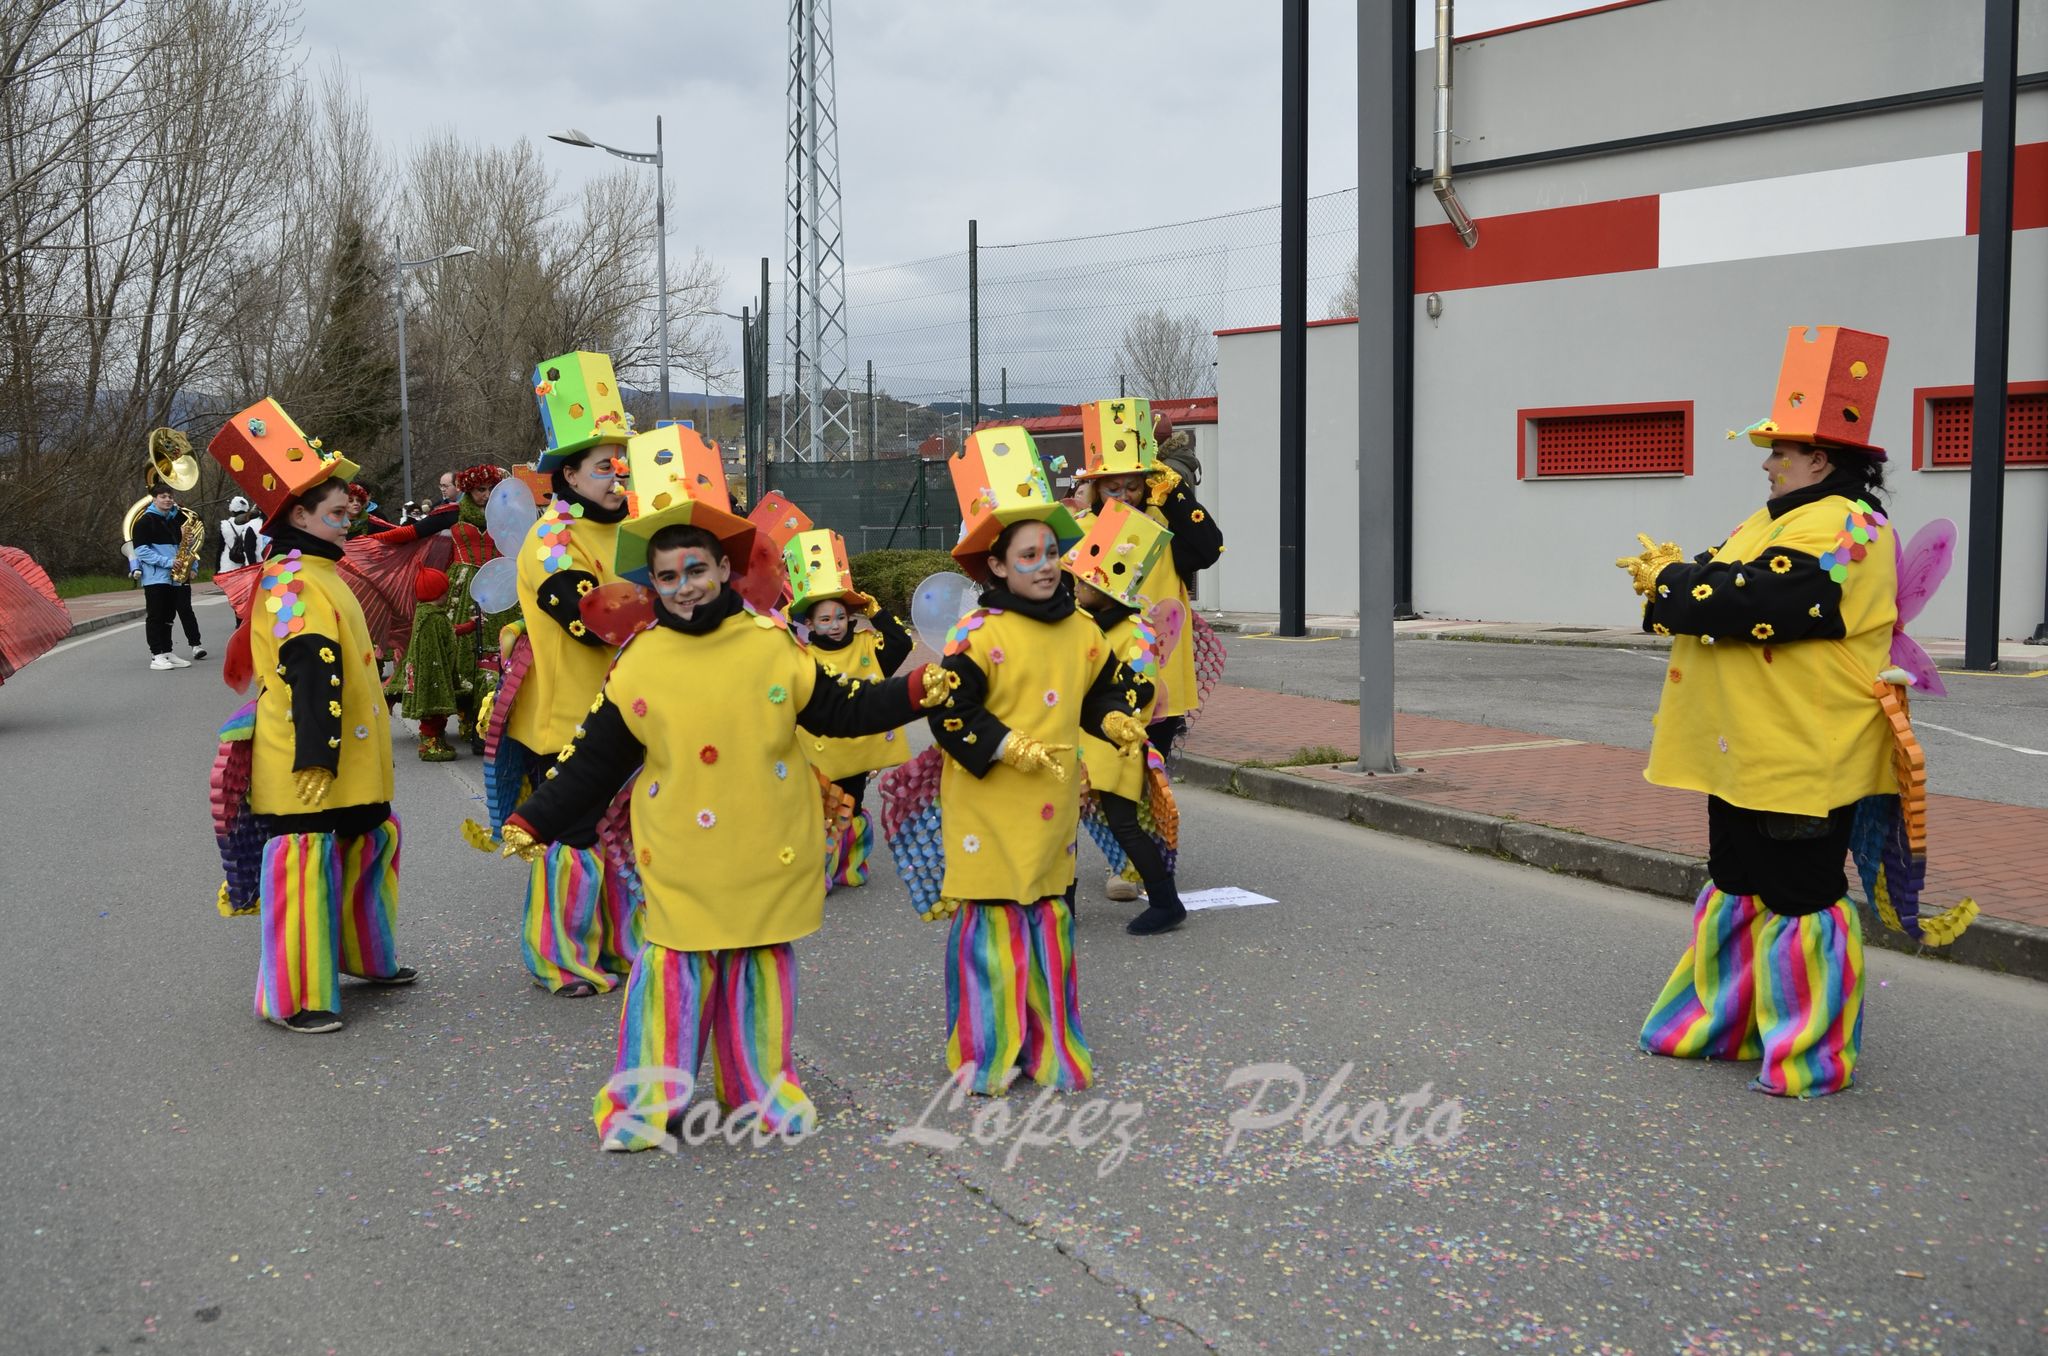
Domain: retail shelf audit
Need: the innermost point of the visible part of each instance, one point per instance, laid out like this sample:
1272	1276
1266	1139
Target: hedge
891	575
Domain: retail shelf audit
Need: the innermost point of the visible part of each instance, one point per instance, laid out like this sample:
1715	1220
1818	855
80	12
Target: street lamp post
573	137
404	393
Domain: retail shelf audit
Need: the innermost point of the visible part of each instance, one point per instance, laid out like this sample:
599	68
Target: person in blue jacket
157	535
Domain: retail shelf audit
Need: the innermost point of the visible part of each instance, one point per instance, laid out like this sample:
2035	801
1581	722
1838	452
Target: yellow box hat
676	477
580	406
999	478
816	562
1117	439
1118	553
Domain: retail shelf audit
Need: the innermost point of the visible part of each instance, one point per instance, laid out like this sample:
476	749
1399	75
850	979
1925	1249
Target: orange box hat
999	478
1827	389
271	458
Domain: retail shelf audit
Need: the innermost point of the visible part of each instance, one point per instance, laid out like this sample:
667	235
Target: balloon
495	587
508	513
938	602
615	611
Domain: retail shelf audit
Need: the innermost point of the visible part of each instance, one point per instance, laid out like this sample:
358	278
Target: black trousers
1793	864
1138	846
1164	733
162	603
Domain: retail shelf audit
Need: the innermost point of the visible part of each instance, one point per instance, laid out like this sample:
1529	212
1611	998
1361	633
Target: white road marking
1964	734
77	641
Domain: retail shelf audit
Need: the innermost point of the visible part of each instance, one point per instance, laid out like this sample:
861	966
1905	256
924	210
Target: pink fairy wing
1167	619
1907	654
1923	565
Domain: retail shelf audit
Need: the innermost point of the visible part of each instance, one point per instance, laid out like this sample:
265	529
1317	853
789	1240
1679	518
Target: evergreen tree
356	389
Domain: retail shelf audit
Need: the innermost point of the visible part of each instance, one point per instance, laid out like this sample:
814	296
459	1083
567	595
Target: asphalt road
1988	739
182	1176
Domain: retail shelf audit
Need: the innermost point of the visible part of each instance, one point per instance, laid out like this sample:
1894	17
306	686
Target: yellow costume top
321	700
1781	631
1110	770
1196	545
867	657
566	554
1009	834
727	816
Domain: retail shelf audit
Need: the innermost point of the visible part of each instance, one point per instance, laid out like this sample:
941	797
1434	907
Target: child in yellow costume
712	703
1034	674
822	594
577	937
320	775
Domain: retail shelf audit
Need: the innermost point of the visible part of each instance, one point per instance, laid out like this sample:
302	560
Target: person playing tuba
166	542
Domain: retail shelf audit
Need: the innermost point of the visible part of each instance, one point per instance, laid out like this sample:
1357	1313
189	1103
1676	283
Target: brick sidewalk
1979	848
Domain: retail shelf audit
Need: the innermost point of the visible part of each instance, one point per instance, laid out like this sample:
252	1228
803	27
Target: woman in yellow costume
710	702
1777	705
318	737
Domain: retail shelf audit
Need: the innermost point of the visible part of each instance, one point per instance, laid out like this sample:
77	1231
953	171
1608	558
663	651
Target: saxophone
191	540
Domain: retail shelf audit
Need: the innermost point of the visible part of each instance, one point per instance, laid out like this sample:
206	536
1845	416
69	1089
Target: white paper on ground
1223	897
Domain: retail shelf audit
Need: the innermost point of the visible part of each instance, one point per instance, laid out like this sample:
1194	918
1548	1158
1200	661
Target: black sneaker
404	974
1156	919
312	1023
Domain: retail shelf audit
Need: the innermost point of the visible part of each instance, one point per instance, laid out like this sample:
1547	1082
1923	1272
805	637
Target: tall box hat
765	585
580	406
1827	389
999	478
816	562
676	477
271	458
1118	553
1117	439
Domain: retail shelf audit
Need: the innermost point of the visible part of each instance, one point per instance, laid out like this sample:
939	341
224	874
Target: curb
111	619
1995	944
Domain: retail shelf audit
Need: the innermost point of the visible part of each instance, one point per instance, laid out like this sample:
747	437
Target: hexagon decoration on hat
816	564
677	478
999	478
1827	389
270	457
1117	554
580	406
1117	439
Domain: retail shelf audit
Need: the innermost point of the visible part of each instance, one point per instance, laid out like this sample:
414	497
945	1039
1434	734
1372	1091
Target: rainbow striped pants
580	921
1013	996
1760	985
848	861
328	903
740	1005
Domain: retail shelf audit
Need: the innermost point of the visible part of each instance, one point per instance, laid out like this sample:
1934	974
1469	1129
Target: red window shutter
2026	429
1630	441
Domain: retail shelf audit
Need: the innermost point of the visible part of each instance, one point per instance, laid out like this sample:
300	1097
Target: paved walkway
1976	847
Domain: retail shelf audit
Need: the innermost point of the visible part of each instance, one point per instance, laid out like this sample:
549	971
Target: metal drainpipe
1440	178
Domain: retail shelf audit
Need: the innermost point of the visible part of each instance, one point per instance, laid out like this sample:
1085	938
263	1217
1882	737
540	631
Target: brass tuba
171	462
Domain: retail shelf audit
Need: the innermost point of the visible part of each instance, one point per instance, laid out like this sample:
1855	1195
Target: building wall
1488	545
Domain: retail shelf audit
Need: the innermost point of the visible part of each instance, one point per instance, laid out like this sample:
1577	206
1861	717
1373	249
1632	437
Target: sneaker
161	663
199	652
312	1022
1121	890
175	662
404	974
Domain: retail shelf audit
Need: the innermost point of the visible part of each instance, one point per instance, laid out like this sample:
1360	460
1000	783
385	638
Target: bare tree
1167	357
1344	301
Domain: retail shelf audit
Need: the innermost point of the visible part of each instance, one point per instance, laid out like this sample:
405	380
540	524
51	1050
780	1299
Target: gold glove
1161	483
312	784
1028	755
1643	569
938	684
521	844
1124	731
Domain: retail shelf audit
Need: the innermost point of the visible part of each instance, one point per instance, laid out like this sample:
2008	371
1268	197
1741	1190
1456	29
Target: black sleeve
1781	595
312	670
561	598
440	520
1197	540
962	724
1115	689
897	642
585	775
842	708
154	530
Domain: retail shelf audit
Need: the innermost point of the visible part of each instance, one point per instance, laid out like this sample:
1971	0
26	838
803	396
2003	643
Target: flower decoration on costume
778	694
1781	564
647	856
1046	812
326	654
996	656
953	723
1702	592
334	708
970	843
708	754
781	771
1813	611
1763	631
1677	676
653	790
1660	628
705	819
1052	698
639	706
786	856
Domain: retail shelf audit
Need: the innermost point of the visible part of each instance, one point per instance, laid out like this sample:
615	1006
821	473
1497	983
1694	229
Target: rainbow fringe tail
848	867
738	1004
572	922
1013	997
1755	984
328	906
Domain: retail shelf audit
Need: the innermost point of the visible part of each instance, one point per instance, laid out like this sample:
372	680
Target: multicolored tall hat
580	406
1827	390
271	459
1118	553
675	477
817	568
999	478
1117	439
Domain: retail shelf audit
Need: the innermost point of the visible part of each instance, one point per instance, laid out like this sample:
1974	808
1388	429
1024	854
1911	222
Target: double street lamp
573	137
404	403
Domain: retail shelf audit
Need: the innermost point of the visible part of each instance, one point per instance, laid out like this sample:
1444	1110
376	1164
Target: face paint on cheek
337	524
1033	567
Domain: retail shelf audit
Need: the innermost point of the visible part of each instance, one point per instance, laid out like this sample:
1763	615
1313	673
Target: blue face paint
337	524
1042	562
670	590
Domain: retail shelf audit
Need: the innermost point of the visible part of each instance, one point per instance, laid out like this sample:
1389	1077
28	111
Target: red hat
359	495
429	585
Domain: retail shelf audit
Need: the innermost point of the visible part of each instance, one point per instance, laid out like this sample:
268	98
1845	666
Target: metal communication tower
816	414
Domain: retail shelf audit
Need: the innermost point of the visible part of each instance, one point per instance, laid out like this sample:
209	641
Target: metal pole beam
973	319
1006	392
661	258
1994	317
404	394
817	386
1294	316
1386	342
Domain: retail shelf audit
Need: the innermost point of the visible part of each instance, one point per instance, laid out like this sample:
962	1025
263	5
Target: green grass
1304	757
78	585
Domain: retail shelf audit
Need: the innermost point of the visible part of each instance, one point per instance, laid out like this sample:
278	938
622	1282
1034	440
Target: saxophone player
167	542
